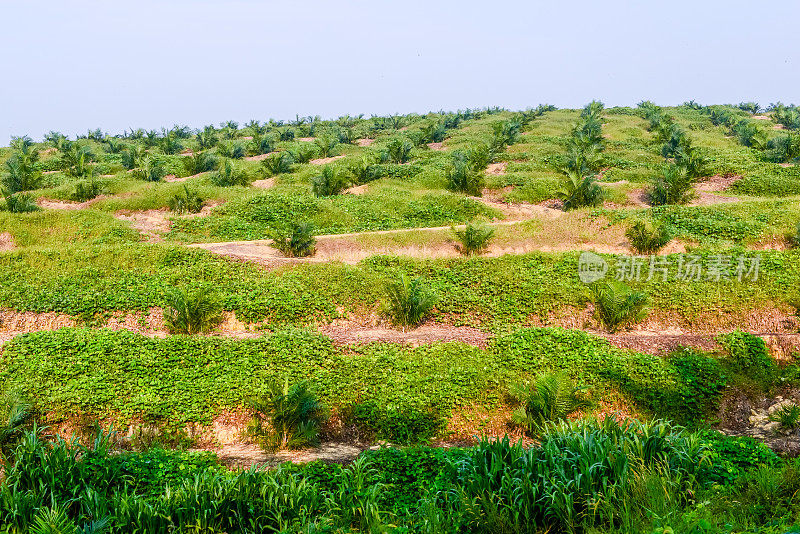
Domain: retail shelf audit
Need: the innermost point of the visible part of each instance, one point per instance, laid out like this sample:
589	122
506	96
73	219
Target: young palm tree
580	191
549	399
408	302
77	161
21	174
646	238
473	239
192	311
299	242
17	419
329	183
294	413
617	306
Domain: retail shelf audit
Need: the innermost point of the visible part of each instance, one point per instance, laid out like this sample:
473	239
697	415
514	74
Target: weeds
185	201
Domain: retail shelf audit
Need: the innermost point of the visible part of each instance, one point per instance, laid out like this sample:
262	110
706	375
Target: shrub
21	173
294	413
647	238
329	183
185	201
462	178
473	239
87	190
617	306
550	398
20	203
408	302
286	134
76	161
231	150
364	170
326	145
673	186
299	242
304	153
152	170
229	175
580	191
192	311
280	163
170	144
701	384
200	162
479	156
400	149
207	138
263	144
132	157
748	355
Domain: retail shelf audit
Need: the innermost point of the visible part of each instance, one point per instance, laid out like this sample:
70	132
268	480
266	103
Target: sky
115	65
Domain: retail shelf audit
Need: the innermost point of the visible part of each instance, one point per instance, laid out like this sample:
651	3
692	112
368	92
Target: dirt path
325	161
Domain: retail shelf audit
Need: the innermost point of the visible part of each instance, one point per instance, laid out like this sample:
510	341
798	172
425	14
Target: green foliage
21	173
170	144
731	457
402	424
229	175
701	382
748	355
550	398
133	156
473	239
408	301
280	163
192	311
152	170
580	191
462	177
20	203
788	417
87	190
231	150
326	145
17	417
617	306
262	144
185	201
304	153
672	186
199	162
330	182
293	413
646	238
400	149
77	161
299	242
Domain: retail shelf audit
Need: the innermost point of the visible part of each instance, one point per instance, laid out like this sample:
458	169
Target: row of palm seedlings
584	474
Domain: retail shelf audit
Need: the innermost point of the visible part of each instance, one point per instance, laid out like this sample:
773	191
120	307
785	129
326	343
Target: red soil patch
357	190
437	146
306	139
150	223
364	142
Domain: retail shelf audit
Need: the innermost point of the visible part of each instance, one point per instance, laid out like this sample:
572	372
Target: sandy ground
264	184
7	242
325	161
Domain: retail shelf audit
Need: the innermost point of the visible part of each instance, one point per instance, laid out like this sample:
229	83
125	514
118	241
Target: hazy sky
75	65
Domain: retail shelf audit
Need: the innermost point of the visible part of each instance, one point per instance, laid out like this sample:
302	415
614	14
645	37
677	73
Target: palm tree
550	398
19	415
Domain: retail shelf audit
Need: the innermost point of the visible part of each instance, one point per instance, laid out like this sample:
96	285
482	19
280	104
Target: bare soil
496	169
264	184
325	161
7	242
364	142
259	157
437	146
150	223
358	189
